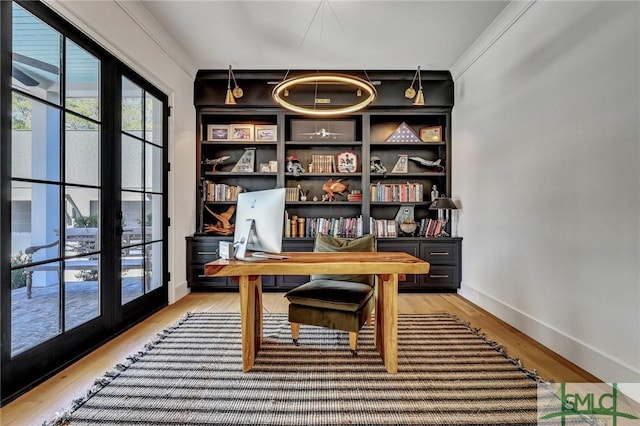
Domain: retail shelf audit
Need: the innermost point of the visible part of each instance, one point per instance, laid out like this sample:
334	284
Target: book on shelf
323	163
430	227
383	228
220	191
292	194
397	192
344	227
354	197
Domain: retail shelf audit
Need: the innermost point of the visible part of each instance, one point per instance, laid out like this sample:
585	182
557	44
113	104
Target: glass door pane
142	198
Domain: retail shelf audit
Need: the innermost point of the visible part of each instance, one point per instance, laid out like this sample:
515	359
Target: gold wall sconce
411	92
237	92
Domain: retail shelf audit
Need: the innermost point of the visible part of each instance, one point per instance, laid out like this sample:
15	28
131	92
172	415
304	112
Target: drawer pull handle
439	276
439	253
208	252
203	276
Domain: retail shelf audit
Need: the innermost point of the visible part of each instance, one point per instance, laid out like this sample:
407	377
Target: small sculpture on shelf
294	165
401	165
304	194
223	226
332	187
215	162
246	163
434	193
377	167
428	163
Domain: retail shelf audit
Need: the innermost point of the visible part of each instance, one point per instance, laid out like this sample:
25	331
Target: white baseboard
594	361
177	291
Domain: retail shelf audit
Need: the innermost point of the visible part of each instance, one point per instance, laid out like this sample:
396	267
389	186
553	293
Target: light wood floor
45	400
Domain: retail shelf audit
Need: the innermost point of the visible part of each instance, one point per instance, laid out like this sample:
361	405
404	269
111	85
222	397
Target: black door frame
23	371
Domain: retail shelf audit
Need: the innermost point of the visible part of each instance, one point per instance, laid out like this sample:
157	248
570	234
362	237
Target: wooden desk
386	266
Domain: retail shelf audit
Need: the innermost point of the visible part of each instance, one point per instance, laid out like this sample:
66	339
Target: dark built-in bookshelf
326	164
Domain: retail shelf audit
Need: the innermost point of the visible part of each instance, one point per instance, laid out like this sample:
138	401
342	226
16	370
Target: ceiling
324	34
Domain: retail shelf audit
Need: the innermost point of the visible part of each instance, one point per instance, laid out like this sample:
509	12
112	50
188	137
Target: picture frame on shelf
241	132
347	162
304	130
266	133
431	134
217	132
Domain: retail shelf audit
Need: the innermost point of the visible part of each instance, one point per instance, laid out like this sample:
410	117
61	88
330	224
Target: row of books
397	192
383	228
292	194
323	163
220	191
388	228
344	227
430	228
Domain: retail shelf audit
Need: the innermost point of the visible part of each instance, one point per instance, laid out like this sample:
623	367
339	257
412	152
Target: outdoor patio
36	320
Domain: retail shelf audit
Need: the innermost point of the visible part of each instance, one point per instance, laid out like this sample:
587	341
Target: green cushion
331	294
325	243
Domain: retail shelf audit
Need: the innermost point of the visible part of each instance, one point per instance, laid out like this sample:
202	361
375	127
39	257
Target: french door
83	189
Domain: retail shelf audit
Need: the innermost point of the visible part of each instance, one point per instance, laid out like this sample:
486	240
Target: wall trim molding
507	18
604	366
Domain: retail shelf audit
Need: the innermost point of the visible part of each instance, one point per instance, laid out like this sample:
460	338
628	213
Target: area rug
448	374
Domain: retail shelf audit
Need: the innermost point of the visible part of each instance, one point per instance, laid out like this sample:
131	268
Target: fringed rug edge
62	418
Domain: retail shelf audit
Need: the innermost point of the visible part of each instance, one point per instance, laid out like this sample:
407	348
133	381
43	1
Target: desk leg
251	318
386	337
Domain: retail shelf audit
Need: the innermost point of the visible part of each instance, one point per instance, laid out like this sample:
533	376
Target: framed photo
241	132
347	162
218	132
431	134
266	133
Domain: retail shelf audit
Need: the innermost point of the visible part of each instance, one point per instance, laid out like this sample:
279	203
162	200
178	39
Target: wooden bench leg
295	332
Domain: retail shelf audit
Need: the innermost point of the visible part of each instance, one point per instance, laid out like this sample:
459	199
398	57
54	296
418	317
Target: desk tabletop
307	263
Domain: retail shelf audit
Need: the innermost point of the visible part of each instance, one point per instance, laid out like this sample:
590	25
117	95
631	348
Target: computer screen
259	222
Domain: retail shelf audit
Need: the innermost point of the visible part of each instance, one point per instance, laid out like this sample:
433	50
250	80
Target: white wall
145	48
546	167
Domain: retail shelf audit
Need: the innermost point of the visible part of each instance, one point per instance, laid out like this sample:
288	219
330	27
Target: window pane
153	120
82	221
132	222
81	291
82	82
132	275
154	217
36	56
35	319
153	266
82	151
153	168
35	145
131	108
40	239
131	163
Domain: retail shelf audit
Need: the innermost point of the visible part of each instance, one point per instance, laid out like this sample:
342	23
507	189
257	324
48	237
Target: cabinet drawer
439	253
203	252
198	278
441	277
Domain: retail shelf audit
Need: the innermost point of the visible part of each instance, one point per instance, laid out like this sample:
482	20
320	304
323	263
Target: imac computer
259	224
